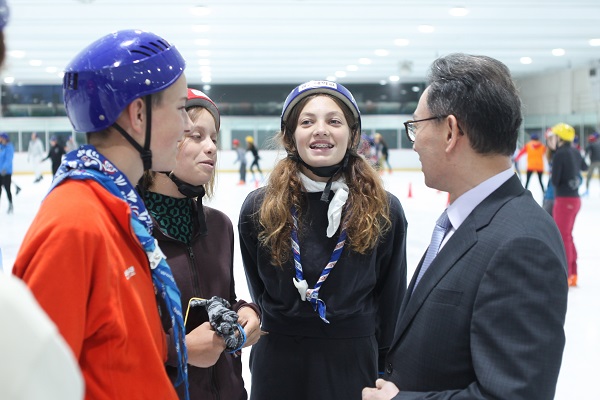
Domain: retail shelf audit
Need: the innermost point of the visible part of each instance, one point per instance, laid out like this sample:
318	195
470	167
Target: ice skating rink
422	206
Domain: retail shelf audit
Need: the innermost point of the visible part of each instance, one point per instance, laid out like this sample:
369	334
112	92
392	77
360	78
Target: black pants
299	368
55	167
5	183
539	177
255	163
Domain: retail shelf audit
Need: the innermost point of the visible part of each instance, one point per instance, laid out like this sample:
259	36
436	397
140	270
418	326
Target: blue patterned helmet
313	87
112	72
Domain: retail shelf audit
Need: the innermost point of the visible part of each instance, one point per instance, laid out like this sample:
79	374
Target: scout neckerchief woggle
87	163
334	214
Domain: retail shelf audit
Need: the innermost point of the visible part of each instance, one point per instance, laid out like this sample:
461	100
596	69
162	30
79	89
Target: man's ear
453	132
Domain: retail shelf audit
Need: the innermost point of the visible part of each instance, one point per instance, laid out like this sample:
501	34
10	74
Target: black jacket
566	171
363	292
55	155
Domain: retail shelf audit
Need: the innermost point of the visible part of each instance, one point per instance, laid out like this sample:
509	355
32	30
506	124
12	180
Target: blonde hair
367	208
147	180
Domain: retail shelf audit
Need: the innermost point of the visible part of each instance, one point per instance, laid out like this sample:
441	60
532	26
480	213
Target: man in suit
486	318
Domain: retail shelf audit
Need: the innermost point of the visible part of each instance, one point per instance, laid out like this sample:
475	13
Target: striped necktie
441	227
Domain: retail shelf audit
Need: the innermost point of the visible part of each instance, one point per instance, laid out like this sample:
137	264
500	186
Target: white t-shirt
35	361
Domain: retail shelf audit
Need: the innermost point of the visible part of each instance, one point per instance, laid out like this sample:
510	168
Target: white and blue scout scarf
87	163
334	215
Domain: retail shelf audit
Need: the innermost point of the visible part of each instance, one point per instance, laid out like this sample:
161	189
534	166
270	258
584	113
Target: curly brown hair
366	212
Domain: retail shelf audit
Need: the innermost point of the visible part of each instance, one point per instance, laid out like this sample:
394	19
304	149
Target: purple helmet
4	13
112	72
4	136
313	87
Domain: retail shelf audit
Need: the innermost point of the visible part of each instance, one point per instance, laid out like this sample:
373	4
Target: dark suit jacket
486	320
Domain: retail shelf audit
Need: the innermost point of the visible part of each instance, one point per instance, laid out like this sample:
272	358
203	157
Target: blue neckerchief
87	163
312	295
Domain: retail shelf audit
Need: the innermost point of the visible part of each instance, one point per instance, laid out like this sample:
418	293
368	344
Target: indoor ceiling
292	41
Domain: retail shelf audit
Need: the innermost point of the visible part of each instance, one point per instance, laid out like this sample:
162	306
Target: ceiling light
206	88
200	28
35	63
394	78
401	42
459	11
204	61
16	54
526	60
202	42
203	53
383	82
558	52
205	68
340	74
594	42
426	28
382	52
206	79
9	80
364	61
201	11
352	68
415	89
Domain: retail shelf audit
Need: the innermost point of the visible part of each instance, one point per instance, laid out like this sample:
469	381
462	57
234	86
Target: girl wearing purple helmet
88	256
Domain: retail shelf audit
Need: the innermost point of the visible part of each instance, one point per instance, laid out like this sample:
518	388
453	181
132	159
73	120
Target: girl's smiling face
197	154
322	135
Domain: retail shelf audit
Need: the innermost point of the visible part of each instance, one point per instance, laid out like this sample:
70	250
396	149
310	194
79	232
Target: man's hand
383	390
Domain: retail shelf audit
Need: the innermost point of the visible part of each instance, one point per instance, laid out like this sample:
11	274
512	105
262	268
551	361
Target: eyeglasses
411	132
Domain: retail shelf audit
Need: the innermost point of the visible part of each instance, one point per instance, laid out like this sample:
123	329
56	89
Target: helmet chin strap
145	152
324	172
192	191
185	188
